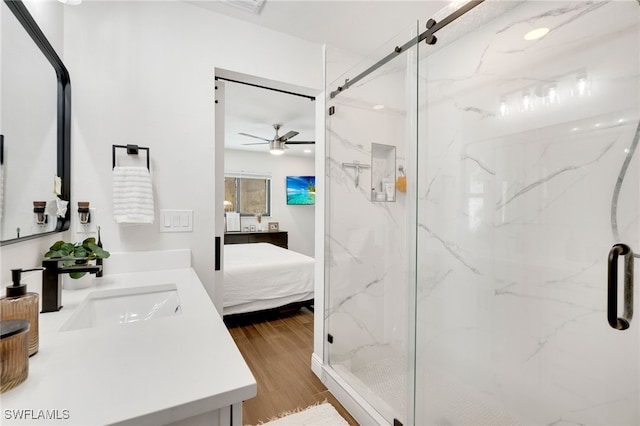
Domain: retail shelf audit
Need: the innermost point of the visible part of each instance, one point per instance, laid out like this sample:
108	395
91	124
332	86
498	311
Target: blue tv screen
301	190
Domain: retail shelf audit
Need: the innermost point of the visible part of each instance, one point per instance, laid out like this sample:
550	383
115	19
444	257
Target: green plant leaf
60	249
53	253
76	275
81	252
57	245
87	249
98	251
67	247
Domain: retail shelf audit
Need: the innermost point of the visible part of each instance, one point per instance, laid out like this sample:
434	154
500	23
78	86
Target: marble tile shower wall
367	257
522	143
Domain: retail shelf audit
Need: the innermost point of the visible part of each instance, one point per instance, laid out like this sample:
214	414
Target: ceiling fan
278	144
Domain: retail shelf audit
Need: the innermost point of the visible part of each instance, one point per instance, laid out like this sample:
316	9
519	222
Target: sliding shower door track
428	36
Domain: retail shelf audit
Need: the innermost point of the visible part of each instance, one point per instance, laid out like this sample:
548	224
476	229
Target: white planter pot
69	283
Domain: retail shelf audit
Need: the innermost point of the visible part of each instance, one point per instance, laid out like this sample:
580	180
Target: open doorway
253	106
269	136
256	113
254	186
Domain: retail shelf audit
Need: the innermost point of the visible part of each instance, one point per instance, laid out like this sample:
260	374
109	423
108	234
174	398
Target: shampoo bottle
20	304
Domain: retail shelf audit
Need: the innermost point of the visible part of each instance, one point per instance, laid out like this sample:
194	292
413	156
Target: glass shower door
369	132
528	175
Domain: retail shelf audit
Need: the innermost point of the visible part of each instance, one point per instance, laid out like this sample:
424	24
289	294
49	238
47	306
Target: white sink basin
122	306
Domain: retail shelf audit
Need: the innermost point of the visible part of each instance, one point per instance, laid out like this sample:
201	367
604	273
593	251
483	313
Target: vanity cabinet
278	238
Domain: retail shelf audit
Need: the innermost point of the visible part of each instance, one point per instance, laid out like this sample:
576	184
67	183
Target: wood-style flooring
278	347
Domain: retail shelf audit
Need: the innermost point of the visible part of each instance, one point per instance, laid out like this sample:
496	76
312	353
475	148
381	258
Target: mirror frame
21	12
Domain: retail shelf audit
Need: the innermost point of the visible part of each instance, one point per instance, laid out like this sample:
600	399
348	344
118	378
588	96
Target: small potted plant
76	254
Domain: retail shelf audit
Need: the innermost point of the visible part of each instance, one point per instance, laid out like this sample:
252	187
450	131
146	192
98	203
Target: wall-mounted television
301	190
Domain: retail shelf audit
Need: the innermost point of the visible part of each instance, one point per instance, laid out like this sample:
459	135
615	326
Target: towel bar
131	150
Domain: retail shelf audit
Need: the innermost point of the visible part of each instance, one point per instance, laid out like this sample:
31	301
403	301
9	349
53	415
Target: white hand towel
132	195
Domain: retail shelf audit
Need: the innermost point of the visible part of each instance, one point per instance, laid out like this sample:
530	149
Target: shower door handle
620	323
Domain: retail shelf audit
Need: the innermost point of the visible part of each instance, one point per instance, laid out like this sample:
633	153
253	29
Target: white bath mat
320	415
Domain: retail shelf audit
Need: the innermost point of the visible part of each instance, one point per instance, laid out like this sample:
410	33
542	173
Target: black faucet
51	287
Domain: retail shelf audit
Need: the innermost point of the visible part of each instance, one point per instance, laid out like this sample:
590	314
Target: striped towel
132	195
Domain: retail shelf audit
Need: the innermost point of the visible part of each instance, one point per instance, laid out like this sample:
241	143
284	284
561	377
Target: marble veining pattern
516	220
621	177
527	172
366	272
553	175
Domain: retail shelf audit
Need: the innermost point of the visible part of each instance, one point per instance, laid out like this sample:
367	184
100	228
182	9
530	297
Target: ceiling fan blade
257	143
301	142
256	137
288	135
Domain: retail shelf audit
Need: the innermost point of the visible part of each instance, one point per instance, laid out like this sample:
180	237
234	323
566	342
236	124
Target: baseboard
359	409
316	365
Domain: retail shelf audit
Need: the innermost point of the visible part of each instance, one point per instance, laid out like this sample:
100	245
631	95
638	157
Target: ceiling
332	21
254	110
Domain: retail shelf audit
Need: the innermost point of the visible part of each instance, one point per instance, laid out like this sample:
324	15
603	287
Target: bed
262	276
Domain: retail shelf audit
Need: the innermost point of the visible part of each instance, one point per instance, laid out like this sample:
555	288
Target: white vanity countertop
149	372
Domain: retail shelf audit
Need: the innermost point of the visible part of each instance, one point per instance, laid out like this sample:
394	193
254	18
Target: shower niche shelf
383	173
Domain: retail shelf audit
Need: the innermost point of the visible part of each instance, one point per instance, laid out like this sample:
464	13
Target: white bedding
262	276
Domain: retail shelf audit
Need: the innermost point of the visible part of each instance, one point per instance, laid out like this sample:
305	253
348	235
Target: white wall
142	72
298	221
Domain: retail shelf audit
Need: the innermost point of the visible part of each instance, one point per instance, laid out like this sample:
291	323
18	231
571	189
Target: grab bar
620	323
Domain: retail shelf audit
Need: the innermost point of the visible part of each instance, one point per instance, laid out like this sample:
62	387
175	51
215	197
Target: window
247	194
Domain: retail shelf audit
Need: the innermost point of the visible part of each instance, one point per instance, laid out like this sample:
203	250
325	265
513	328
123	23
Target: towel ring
131	150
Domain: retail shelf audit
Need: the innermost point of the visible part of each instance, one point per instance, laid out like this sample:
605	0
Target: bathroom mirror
35	114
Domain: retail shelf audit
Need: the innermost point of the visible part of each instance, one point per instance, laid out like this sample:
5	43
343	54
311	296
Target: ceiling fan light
276	148
276	151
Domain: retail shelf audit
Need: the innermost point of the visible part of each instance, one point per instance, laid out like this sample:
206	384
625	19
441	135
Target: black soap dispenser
20	304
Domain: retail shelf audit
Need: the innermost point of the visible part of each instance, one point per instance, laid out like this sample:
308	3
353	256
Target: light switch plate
176	220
